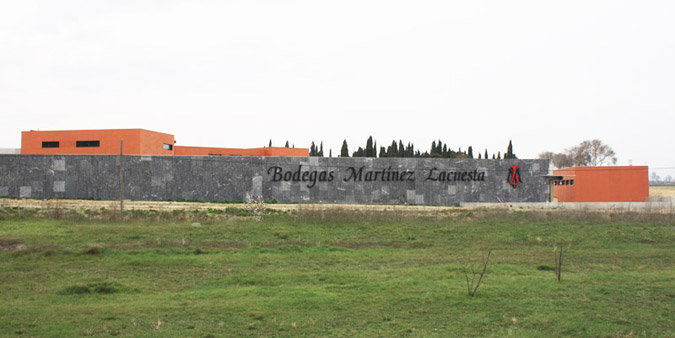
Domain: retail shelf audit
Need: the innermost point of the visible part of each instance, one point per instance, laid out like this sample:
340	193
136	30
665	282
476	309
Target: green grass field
334	272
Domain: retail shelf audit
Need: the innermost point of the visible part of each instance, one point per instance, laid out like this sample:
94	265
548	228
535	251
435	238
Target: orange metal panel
152	143
604	184
136	142
271	151
565	193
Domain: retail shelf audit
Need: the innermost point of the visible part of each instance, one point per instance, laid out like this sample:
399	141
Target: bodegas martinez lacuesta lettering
312	177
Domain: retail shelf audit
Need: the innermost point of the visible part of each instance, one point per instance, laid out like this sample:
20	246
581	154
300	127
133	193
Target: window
50	144
84	144
571	182
168	146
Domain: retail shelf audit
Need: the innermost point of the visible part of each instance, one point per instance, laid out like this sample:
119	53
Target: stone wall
285	179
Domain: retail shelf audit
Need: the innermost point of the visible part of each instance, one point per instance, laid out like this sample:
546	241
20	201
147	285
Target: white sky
546	74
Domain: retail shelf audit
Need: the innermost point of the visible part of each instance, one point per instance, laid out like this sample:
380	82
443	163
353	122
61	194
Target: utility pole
121	178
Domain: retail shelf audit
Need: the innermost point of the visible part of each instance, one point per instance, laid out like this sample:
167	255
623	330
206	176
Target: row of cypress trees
399	149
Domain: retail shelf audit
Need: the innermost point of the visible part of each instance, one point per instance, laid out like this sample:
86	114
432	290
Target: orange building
136	142
269	151
601	184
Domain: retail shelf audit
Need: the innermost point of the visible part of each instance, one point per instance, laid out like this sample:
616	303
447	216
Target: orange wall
565	193
136	142
270	151
603	184
152	143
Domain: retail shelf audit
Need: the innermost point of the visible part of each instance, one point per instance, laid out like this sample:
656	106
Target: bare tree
592	153
559	160
587	153
655	177
471	284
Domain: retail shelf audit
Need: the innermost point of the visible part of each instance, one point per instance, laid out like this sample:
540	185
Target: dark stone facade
285	179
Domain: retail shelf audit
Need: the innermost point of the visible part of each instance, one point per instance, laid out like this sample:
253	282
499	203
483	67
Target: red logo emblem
514	176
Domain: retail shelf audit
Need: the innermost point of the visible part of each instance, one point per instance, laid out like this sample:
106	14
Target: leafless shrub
257	207
470	269
53	208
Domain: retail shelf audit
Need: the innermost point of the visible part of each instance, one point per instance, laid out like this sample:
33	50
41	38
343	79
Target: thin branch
560	263
480	279
466	275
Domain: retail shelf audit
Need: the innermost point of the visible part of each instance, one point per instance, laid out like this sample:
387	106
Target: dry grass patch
662	191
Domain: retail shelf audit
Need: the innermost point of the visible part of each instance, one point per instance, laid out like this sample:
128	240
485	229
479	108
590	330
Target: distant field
662	191
334	272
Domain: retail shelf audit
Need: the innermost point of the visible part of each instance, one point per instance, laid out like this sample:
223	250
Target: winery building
136	142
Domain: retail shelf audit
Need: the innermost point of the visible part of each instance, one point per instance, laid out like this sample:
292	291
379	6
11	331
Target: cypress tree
270	143
312	149
486	154
344	152
479	156
471	152
401	149
499	155
509	152
320	154
369	147
286	145
330	152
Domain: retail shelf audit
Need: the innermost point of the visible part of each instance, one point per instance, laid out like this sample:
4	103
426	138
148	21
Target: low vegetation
335	272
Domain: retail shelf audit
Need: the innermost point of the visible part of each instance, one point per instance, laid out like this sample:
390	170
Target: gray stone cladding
420	181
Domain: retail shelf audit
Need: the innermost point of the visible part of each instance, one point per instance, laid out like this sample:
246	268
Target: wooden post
121	178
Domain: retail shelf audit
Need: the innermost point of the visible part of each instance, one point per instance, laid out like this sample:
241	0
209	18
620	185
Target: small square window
87	144
571	182
50	144
168	146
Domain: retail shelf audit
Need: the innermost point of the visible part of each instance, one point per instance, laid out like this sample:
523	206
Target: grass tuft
92	251
545	268
101	288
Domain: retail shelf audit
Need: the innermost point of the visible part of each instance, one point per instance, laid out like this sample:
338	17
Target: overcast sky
545	74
